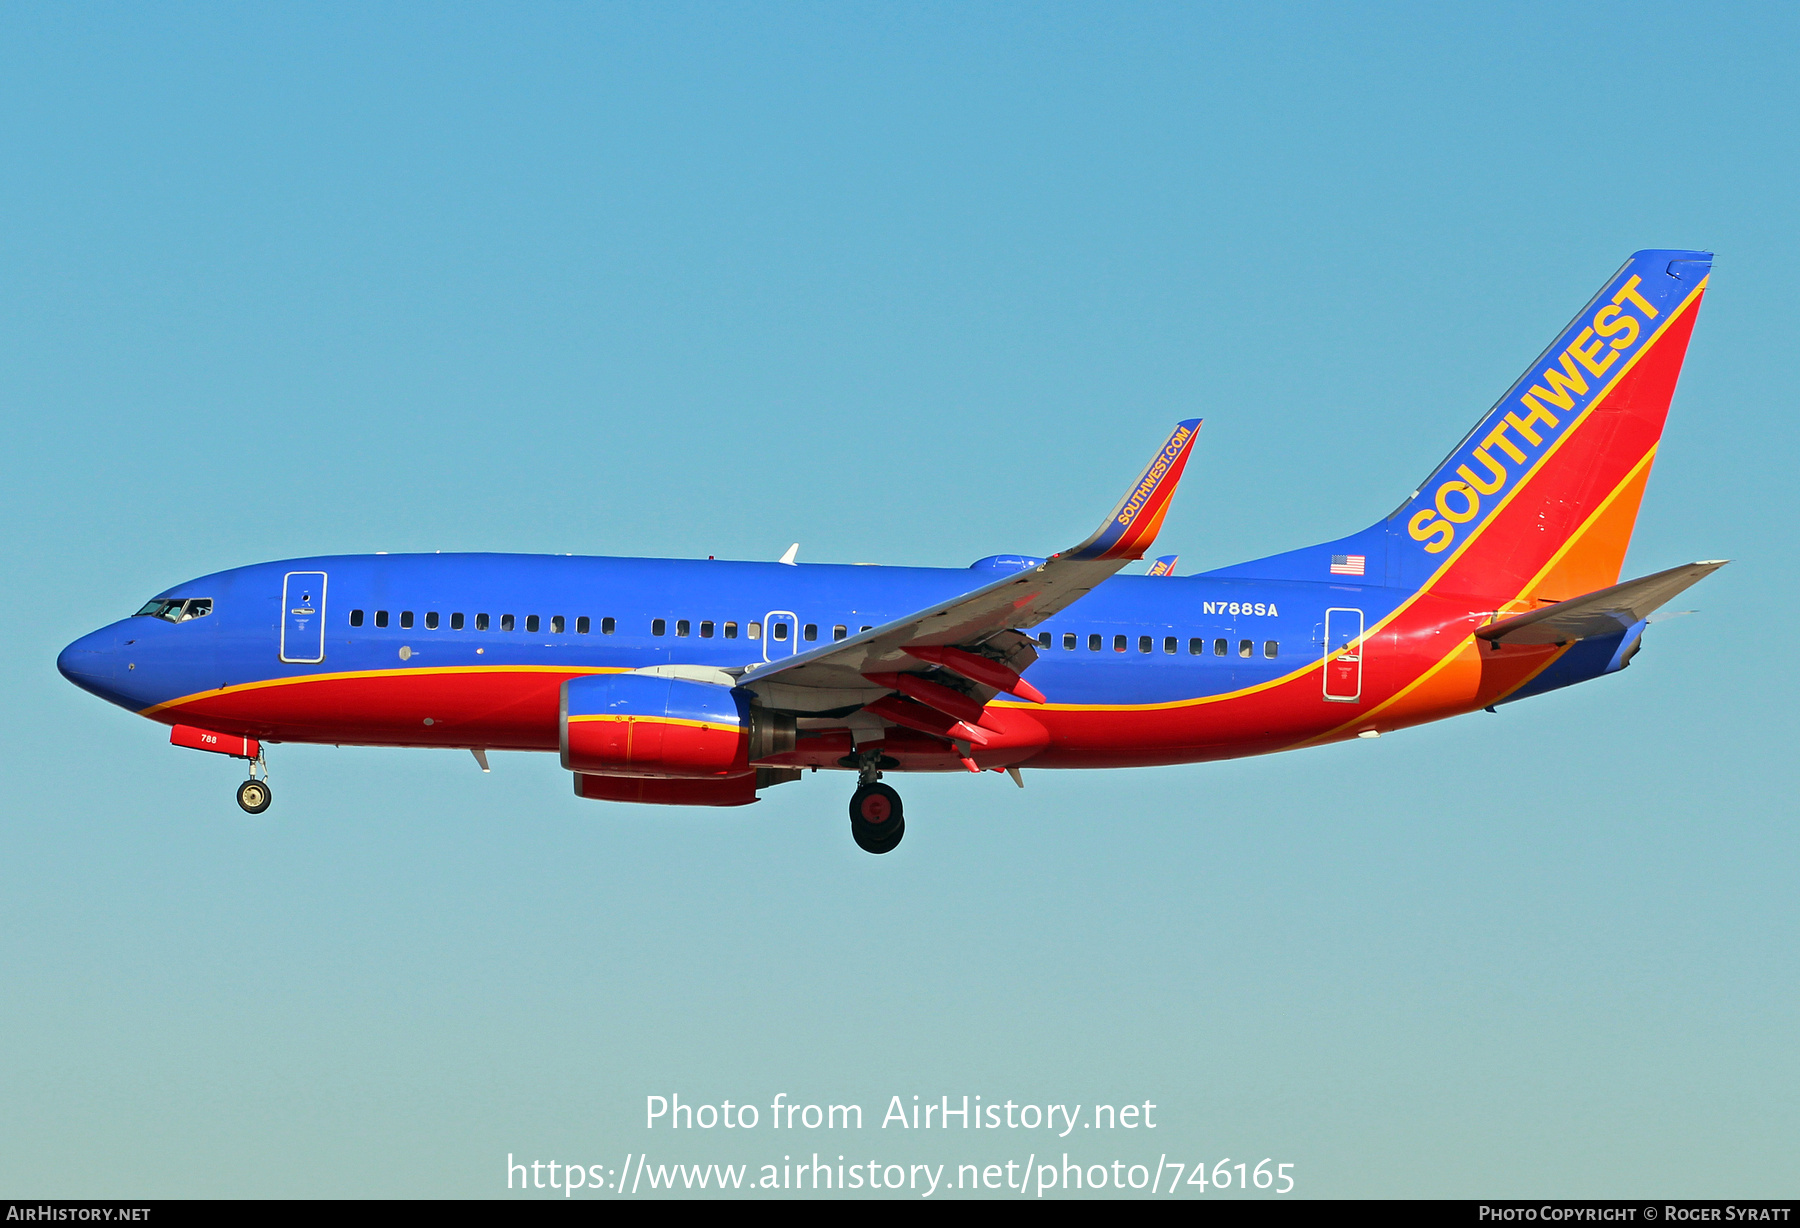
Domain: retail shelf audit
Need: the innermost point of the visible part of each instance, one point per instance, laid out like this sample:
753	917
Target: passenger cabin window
406	619
557	625
1043	639
1271	649
731	631
1218	648
506	622
1144	643
840	632
706	630
582	625
865	627
658	627
682	626
1118	643
456	621
1246	648
481	622
531	622
779	631
431	620
1068	639
811	631
356	618
1169	645
1196	646
607	625
381	618
753	631
1093	643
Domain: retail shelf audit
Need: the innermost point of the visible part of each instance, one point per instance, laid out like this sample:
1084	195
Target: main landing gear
254	794
877	819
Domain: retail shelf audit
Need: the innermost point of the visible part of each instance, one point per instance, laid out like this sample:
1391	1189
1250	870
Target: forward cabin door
1343	655
303	618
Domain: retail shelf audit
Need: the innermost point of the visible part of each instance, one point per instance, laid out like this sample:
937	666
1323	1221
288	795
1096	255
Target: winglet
1133	525
1165	566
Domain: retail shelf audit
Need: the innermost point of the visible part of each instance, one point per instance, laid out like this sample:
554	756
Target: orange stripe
1463	644
237	688
659	720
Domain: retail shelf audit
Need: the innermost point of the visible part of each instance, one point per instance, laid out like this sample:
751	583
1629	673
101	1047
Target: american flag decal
1348	564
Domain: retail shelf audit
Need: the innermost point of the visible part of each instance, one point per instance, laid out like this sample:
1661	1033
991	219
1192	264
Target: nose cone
92	662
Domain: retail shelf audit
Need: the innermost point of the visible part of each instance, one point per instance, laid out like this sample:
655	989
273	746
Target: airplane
706	682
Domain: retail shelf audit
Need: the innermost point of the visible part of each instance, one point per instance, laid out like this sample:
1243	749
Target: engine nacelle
655	726
647	790
728	791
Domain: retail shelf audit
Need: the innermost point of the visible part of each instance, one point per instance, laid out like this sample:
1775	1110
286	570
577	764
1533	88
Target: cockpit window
176	609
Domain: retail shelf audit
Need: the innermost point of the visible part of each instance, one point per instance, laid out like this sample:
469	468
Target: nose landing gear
254	794
877	819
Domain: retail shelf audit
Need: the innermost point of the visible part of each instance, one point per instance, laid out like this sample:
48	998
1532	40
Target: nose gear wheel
254	796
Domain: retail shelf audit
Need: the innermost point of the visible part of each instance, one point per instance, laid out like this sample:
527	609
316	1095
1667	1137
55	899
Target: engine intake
647	725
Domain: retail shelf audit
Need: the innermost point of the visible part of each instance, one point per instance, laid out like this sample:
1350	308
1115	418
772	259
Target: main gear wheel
877	818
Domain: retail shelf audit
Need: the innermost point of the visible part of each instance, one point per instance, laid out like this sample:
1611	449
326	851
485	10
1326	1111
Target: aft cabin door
1343	655
780	631
303	618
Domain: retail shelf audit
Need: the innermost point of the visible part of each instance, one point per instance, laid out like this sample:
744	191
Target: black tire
877	818
884	843
254	796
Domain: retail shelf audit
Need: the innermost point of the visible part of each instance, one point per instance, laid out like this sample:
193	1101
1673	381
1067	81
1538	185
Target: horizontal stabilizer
1606	612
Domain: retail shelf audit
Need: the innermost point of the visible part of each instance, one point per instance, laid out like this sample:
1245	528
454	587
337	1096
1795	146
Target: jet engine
725	791
650	725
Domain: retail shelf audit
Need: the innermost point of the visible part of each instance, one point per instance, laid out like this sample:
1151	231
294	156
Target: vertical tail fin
1539	500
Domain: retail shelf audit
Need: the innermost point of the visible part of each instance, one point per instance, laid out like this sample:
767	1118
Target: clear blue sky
911	284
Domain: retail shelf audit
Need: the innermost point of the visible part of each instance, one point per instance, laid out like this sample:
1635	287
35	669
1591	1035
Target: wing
969	645
1604	612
